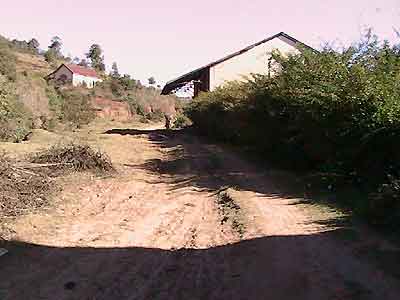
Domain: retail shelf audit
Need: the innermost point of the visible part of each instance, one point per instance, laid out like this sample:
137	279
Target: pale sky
165	39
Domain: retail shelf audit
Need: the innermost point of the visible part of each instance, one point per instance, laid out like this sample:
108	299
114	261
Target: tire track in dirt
147	235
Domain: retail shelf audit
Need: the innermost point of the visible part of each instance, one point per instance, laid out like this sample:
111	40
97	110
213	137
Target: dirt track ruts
156	232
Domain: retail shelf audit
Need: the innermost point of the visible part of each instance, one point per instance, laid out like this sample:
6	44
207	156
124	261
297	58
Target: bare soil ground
184	219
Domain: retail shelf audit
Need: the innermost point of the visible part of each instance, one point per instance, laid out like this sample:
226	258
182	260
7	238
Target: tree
54	51
33	45
151	80
127	82
115	72
55	46
51	56
76	60
96	57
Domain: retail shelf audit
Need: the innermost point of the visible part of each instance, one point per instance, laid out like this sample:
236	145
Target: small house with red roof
75	75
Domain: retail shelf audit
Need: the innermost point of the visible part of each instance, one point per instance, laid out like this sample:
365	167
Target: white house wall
80	79
254	61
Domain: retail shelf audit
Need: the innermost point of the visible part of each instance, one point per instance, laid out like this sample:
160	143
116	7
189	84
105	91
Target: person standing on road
167	122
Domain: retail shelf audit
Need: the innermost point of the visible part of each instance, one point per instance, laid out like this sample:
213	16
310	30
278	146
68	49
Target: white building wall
254	61
80	79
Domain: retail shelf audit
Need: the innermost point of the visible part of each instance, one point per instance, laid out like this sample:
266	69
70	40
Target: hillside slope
32	102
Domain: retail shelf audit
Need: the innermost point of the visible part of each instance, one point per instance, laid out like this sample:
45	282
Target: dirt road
185	220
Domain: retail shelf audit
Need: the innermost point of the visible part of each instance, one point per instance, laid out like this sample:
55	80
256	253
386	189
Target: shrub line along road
184	219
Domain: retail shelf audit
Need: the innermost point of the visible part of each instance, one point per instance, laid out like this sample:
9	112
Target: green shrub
7	63
76	108
155	115
319	110
47	123
384	205
14	119
55	100
134	106
181	121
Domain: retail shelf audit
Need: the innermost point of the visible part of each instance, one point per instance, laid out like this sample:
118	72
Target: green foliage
143	101
7	63
316	110
96	57
51	56
115	72
55	100
14	119
76	108
116	87
55	46
134	106
181	121
33	45
386	199
155	115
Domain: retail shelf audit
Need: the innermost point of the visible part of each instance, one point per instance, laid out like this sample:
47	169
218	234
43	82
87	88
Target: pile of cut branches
25	186
74	157
22	189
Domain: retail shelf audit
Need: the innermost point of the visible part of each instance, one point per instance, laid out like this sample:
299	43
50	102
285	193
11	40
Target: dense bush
7	63
337	112
14	119
76	108
181	121
146	102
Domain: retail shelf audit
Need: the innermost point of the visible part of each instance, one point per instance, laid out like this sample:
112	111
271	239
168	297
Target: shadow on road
192	161
276	267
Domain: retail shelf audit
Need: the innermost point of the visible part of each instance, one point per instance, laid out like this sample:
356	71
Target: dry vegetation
230	211
28	185
74	157
22	188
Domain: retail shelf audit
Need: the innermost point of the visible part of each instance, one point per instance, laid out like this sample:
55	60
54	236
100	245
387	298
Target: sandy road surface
159	230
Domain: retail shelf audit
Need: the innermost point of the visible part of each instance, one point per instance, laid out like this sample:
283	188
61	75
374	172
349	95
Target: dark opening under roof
195	74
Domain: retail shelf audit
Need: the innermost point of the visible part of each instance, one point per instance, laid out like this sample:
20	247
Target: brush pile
73	157
25	186
22	189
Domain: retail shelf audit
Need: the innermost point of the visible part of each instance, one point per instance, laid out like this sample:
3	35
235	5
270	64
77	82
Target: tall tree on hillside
56	45
33	45
54	51
115	72
96	57
151	80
